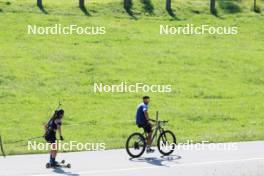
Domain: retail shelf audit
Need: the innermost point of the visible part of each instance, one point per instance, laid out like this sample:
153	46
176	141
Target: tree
81	3
168	5
212	7
39	3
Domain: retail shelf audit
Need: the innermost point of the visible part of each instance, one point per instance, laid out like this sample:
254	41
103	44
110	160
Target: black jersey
53	125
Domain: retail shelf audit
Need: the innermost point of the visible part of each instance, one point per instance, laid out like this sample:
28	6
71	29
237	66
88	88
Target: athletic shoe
149	150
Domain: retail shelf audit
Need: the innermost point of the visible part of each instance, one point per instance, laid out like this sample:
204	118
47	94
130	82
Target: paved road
244	159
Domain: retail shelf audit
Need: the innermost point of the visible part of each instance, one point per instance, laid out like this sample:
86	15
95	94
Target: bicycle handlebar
162	121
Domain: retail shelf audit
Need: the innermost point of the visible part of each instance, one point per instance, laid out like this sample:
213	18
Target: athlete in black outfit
51	128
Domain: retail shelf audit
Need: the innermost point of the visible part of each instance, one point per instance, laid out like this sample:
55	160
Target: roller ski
55	164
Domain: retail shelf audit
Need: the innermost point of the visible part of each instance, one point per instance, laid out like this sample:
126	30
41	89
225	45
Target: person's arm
146	115
60	133
145	110
46	127
59	129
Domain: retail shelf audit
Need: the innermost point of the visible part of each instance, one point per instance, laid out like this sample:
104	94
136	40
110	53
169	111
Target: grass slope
218	83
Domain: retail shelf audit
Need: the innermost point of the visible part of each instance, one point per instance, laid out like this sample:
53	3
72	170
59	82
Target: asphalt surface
242	159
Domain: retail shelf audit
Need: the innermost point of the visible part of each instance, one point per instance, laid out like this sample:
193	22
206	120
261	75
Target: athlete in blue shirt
142	120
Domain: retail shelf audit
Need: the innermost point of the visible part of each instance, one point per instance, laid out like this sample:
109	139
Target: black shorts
50	137
147	128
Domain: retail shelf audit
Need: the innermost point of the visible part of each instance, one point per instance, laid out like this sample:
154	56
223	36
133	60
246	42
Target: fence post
39	3
168	5
212	7
126	4
81	3
255	5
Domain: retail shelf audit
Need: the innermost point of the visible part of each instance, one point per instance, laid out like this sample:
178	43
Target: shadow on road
61	171
157	161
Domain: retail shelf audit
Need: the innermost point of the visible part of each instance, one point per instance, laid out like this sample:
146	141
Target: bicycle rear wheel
135	145
166	142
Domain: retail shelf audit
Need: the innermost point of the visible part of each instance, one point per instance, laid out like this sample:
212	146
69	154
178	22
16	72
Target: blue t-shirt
140	116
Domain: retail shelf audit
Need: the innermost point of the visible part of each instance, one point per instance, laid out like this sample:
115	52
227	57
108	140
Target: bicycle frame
157	129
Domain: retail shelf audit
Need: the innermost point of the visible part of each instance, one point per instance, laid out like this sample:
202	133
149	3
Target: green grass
218	83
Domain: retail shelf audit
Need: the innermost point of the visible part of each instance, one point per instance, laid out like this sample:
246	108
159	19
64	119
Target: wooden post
168	5
126	4
255	5
39	3
81	3
212	7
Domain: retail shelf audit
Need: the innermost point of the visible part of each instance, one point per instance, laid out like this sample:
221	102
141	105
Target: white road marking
153	167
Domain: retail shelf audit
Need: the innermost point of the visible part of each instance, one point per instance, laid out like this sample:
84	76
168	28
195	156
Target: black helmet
59	113
145	97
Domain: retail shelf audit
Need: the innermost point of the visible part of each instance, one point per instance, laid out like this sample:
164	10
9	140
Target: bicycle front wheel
135	145
166	142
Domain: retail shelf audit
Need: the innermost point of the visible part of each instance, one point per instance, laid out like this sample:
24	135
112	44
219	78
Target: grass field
217	81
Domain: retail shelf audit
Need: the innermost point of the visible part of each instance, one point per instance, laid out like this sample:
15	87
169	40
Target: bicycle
136	142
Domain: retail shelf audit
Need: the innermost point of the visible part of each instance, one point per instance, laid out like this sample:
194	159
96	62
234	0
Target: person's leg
53	153
149	138
50	140
148	130
51	156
